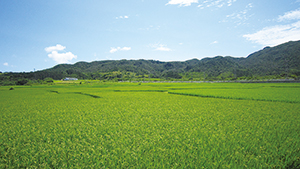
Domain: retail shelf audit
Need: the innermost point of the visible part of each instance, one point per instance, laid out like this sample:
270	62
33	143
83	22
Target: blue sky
36	35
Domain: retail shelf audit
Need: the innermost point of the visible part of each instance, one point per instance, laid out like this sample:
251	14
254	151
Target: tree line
279	62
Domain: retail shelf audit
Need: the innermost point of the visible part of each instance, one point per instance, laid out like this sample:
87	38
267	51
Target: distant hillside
271	62
280	59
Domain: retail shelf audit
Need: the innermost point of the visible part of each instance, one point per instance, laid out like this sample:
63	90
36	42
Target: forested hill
272	62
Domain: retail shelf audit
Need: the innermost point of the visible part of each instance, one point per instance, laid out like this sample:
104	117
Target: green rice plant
65	129
290	94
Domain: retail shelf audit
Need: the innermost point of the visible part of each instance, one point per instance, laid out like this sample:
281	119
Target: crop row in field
289	93
261	94
134	126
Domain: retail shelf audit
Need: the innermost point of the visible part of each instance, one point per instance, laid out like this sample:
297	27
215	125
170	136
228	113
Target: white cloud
113	50
58	47
216	3
182	2
214	42
292	15
200	6
126	48
278	34
62	57
241	17
160	47
229	3
122	17
5	64
59	57
275	35
150	28
163	48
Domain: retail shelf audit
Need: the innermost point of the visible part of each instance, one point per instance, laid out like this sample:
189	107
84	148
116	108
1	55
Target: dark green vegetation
270	63
127	125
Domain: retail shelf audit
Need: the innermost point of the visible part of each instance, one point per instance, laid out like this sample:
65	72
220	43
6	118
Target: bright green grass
260	92
135	126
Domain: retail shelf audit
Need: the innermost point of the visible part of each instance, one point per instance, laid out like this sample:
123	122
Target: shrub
21	82
48	80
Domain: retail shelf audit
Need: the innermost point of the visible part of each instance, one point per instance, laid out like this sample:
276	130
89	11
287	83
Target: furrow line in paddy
233	98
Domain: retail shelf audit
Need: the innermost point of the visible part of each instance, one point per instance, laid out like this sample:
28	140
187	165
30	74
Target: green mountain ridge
281	61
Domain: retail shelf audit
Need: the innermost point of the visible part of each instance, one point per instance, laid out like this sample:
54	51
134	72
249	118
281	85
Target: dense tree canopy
272	62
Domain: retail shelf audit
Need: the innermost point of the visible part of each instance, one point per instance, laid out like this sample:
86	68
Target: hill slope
279	61
284	58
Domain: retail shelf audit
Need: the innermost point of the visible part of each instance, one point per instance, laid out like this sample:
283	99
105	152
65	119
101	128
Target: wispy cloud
5	64
163	48
291	15
275	35
280	33
230	2
214	42
182	2
203	4
216	3
122	17
58	47
59	57
239	18
113	49
149	28
160	47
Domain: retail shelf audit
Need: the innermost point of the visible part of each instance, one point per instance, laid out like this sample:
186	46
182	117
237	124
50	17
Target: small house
69	78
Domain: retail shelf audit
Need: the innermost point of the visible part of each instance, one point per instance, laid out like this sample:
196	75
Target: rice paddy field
150	125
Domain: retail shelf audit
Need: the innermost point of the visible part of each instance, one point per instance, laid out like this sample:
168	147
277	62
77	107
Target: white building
70	78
